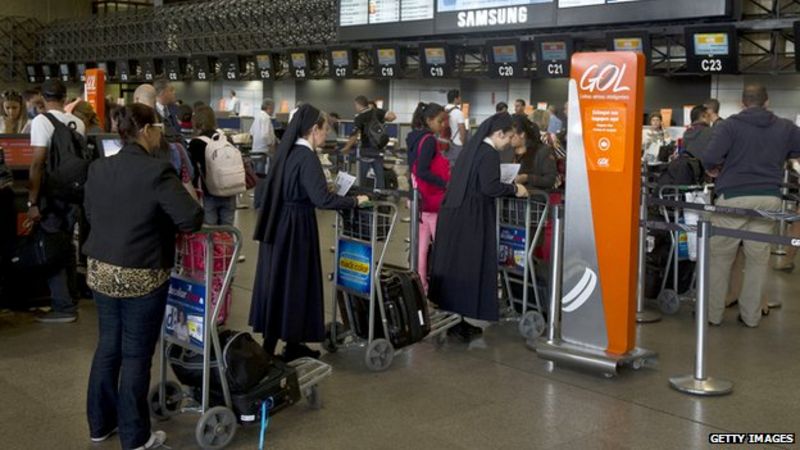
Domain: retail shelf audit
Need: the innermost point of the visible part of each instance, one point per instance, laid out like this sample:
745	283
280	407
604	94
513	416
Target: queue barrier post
557	254
414	233
699	383
643	315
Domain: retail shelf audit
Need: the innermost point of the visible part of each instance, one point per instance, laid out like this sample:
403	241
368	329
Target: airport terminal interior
405	224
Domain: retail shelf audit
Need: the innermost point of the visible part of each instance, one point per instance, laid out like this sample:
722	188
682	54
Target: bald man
146	95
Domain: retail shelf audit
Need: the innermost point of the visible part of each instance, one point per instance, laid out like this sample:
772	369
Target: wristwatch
31	204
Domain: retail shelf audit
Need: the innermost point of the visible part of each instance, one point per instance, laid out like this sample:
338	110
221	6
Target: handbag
250	178
41	251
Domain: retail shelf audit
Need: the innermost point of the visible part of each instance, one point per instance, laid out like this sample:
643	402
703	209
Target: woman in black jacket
135	204
288	291
538	168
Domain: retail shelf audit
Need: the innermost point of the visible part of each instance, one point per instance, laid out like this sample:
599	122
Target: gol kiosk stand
597	265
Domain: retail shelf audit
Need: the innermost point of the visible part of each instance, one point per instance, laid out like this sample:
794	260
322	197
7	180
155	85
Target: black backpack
376	133
68	162
683	170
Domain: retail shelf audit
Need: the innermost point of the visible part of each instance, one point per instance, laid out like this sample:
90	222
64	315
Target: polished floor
491	394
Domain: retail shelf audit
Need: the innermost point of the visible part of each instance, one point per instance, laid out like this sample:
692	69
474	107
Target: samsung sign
493	17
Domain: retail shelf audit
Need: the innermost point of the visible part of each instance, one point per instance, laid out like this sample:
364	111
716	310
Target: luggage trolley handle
376	294
541	201
211	321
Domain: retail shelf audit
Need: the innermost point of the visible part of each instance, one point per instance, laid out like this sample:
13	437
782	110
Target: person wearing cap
52	215
464	266
288	290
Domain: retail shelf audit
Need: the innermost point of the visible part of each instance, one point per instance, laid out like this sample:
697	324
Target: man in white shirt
263	134
458	126
233	104
54	216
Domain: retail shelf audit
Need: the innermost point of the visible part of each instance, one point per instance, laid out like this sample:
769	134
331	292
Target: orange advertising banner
602	200
95	92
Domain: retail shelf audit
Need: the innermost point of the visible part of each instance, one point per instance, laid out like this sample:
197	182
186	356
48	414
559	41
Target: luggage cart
362	239
218	422
520	223
669	300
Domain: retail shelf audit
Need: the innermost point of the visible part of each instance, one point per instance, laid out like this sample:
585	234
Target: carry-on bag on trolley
405	305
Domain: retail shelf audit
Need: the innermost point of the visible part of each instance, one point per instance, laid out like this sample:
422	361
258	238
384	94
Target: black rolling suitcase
406	309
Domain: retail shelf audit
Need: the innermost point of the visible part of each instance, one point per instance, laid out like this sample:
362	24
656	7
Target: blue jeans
376	164
219	210
119	381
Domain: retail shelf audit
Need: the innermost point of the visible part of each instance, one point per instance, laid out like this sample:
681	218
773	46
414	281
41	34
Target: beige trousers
757	254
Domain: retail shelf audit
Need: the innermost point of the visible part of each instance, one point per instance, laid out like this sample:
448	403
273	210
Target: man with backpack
369	124
456	132
57	174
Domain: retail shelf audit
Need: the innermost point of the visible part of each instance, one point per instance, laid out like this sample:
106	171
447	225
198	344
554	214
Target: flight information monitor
712	50
375	19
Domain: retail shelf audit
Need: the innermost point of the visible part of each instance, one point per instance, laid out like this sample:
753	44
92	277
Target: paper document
344	181
509	172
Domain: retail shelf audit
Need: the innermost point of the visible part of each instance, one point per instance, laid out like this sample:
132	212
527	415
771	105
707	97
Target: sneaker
57	317
157	439
104	437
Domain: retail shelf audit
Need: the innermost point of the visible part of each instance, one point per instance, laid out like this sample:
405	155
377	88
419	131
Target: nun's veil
271	205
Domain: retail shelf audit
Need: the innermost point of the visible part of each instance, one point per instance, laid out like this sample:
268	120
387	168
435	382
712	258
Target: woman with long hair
430	172
537	163
13	119
464	272
288	291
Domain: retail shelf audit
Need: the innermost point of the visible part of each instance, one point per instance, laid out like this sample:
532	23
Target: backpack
683	170
225	174
67	163
244	362
376	133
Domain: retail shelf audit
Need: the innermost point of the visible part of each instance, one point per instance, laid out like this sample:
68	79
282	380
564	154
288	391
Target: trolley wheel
173	395
328	344
532	325
379	355
313	397
216	428
669	302
637	364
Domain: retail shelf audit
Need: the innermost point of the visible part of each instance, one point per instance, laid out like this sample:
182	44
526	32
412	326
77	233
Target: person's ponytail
132	119
424	113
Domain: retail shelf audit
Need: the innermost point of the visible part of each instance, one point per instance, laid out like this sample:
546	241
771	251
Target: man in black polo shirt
747	154
369	157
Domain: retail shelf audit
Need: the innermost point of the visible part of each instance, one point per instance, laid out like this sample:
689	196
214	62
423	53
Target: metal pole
643	315
699	383
414	233
556	256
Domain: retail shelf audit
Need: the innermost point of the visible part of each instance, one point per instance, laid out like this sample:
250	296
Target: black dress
288	291
464	269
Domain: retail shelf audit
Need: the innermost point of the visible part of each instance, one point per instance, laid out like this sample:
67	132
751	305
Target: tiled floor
492	394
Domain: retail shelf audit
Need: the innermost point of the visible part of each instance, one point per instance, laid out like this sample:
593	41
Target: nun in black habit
464	266
288	291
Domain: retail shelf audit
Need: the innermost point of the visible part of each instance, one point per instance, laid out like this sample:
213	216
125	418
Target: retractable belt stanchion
414	232
553	332
698	383
643	315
